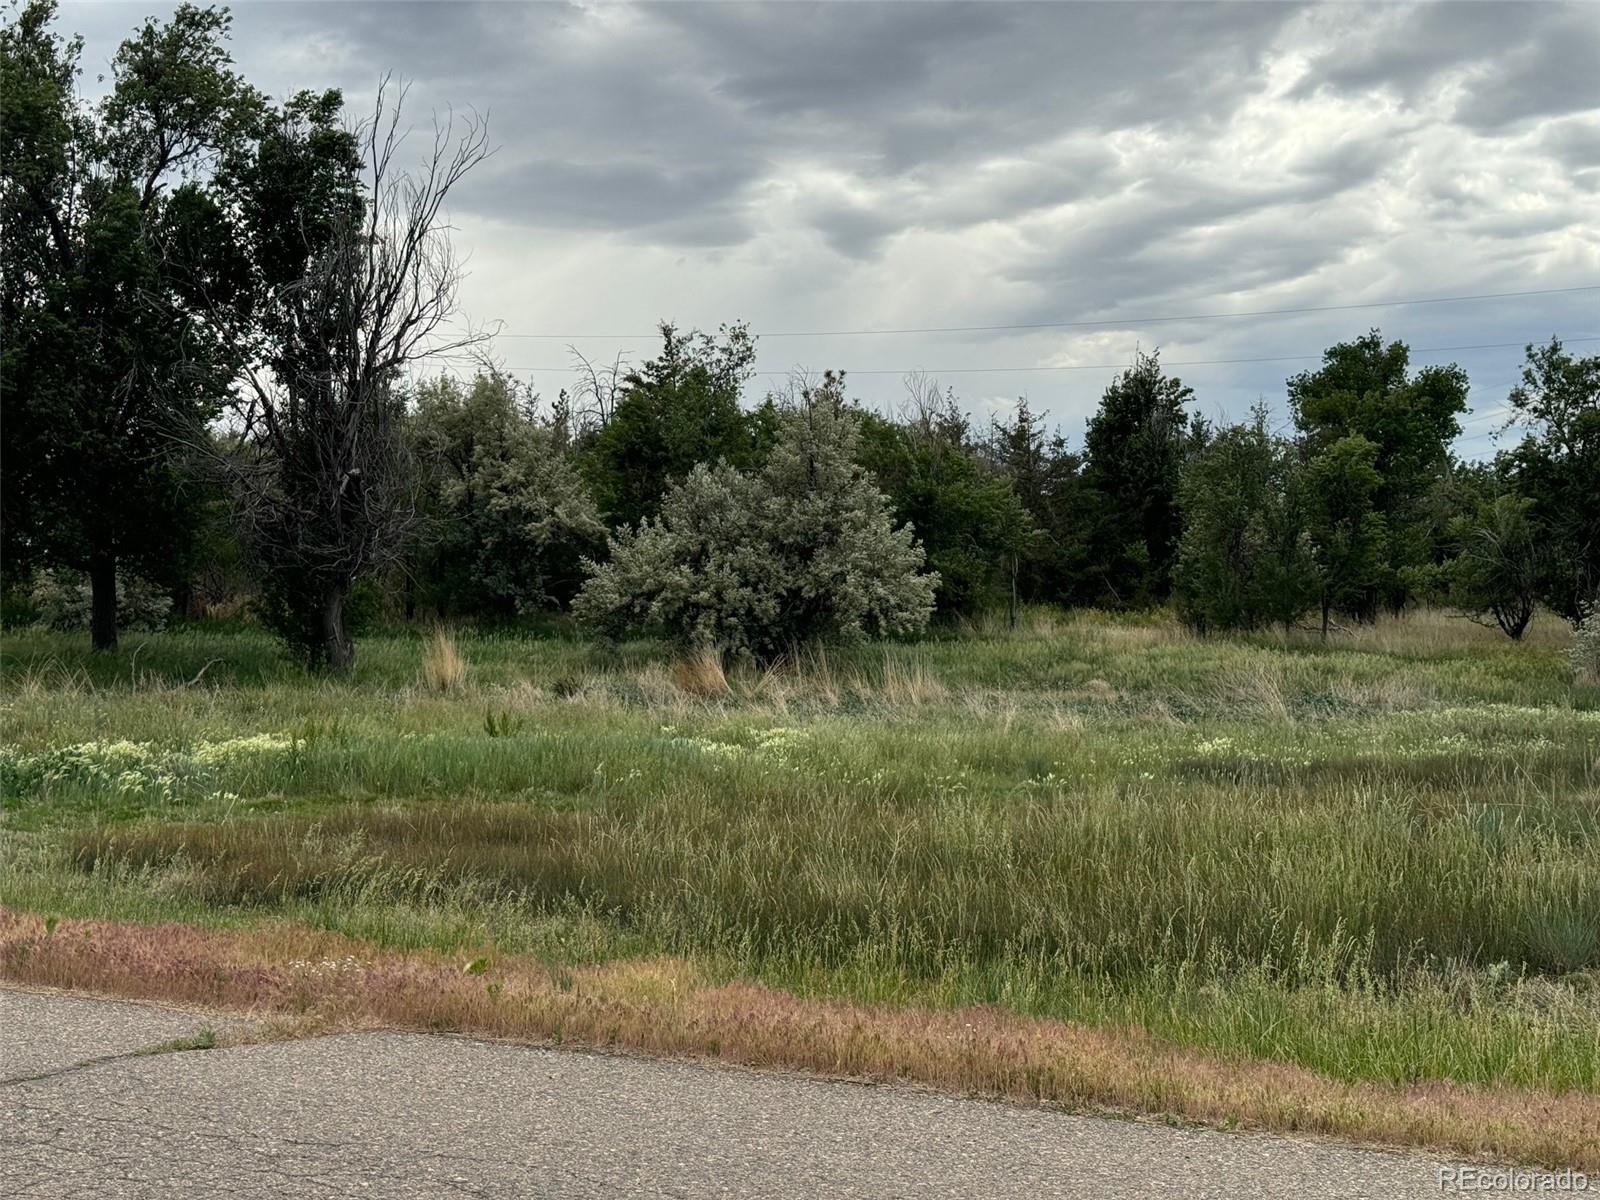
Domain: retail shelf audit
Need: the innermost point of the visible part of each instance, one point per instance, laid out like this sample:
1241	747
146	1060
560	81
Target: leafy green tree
1135	447
107	226
1244	560
1557	467
1498	563
751	564
679	409
509	521
1347	532
1366	388
289	186
968	518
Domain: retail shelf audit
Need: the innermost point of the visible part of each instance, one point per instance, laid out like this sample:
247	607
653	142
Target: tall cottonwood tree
321	473
106	223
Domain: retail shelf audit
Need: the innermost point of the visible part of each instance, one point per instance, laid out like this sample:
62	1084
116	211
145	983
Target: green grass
1378	857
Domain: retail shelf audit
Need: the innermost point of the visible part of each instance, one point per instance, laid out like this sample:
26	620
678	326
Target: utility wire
1117	366
1117	322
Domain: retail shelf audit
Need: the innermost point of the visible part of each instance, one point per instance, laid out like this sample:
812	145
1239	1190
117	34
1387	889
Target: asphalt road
83	1113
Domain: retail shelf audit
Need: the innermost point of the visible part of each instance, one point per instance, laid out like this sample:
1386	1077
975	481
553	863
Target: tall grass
1379	858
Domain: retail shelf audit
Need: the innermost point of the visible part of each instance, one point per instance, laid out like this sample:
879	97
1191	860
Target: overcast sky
868	167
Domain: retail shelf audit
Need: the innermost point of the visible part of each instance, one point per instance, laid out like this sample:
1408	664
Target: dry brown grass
699	673
906	684
49	680
817	675
1390	693
322	981
443	668
1256	686
1108	631
1094	691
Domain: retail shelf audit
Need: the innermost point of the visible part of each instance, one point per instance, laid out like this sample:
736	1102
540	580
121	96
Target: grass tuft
699	673
443	668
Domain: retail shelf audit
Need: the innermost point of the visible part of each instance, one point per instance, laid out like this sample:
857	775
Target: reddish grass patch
318	981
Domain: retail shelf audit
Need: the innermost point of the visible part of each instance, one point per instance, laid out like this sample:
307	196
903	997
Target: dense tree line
1365	508
211	300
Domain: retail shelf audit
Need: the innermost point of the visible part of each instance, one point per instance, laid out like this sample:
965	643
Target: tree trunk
103	602
1513	618
1011	608
1325	609
336	642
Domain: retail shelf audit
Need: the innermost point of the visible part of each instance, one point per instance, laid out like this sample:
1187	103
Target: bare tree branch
321	476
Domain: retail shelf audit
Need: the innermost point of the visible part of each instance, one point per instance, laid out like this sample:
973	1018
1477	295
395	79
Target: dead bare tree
929	414
598	389
323	485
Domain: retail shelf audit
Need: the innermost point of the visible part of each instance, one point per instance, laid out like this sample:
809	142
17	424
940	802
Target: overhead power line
1117	366
1113	322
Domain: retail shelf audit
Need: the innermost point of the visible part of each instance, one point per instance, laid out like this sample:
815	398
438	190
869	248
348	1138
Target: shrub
63	600
509	520
17	608
751	564
1585	652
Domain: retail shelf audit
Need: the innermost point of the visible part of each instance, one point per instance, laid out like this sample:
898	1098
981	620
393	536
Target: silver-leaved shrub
63	599
750	565
1585	652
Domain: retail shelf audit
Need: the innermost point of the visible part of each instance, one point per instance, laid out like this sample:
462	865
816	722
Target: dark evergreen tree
974	529
679	409
1048	480
1135	447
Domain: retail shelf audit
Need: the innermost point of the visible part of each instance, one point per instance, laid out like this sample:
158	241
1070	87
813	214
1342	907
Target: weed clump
699	673
443	668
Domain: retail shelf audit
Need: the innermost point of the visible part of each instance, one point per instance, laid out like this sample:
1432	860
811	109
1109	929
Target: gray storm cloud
867	166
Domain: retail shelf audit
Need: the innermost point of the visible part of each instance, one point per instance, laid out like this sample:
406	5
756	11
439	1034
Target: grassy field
1352	887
